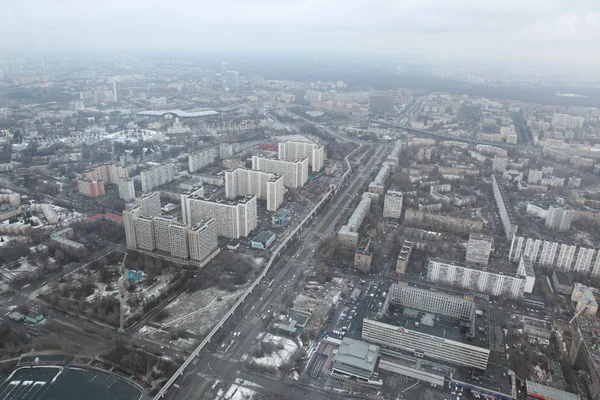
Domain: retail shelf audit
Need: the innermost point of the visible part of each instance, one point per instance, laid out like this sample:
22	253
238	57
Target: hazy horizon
539	32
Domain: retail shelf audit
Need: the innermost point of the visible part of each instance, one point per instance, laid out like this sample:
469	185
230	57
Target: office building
295	173
157	176
525	269
202	239
126	189
265	185
504	208
392	204
496	283
355	358
403	258
149	204
427	327
499	164
92	188
479	249
363	256
291	151
234	218
559	218
202	159
263	240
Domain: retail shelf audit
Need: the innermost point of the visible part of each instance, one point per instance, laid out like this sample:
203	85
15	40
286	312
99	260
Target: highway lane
225	366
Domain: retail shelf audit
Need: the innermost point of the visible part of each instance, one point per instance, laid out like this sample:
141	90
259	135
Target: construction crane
578	313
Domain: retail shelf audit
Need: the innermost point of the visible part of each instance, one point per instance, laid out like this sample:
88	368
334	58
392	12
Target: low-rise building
363	256
562	282
356	358
263	240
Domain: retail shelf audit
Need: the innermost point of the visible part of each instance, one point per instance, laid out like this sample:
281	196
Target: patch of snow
279	356
236	392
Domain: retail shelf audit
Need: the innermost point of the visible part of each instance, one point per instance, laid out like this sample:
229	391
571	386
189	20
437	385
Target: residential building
504	208
92	188
202	239
559	218
535	176
403	258
479	248
126	189
525	269
499	164
292	151
392	204
149	204
144	233
265	185
378	184
129	217
157	176
348	234
295	173
178	240
381	104
363	256
109	173
202	159
234	218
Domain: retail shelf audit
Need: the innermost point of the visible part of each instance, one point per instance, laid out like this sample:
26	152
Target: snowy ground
279	356
236	392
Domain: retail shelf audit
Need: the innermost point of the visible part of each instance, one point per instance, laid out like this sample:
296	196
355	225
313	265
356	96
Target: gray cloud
542	30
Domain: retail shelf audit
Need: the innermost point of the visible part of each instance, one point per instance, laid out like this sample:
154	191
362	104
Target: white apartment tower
178	240
291	151
149	204
157	176
129	217
126	189
202	239
144	233
392	204
161	234
559	218
265	185
479	249
295	173
201	159
500	163
535	176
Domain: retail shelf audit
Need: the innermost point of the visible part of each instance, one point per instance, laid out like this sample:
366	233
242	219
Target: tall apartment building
126	189
534	176
202	239
559	218
378	184
235	218
504	208
348	234
157	176
392	204
292	151
201	159
144	233
295	173
109	173
149	204
265	185
499	164
525	269
129	217
495	283
92	188
225	150
178	240
161	233
479	248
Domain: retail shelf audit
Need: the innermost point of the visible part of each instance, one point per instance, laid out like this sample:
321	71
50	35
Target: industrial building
378	184
479	249
562	282
265	185
291	151
504	208
89	187
295	173
392	204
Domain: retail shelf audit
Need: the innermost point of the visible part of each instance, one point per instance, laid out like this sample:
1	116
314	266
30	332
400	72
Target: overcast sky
547	31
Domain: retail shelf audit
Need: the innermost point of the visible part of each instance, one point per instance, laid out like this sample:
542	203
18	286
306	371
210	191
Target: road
225	365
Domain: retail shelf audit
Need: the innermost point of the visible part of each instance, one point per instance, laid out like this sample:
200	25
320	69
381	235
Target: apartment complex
403	257
265	185
363	256
431	337
559	218
479	249
291	151
201	159
504	208
92	188
295	173
157	176
557	255
482	280
149	204
109	173
525	269
348	234
235	218
378	184
202	239
392	204
126	189
499	164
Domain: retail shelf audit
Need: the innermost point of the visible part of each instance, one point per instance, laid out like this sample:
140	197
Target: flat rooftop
357	353
548	392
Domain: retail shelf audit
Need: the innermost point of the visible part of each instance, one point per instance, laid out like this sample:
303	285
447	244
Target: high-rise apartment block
292	151
479	249
108	173
161	233
202	239
89	187
157	176
235	218
144	233
265	185
499	164
295	173
126	189
392	204
201	159
559	218
149	204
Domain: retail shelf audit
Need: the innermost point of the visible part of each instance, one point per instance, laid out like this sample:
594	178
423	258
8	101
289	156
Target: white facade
265	185
559	218
392	204
494	283
479	249
202	238
534	176
504	208
201	159
178	240
295	173
157	176
126	189
525	269
292	151
149	204
234	218
161	233
129	217
499	164
144	233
